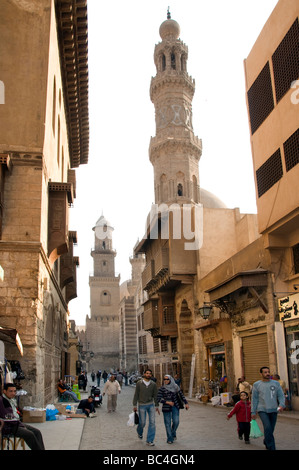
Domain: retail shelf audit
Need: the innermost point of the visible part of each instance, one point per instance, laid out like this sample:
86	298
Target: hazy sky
118	180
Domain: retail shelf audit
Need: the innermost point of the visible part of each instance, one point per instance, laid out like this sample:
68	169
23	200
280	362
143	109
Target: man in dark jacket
8	406
86	406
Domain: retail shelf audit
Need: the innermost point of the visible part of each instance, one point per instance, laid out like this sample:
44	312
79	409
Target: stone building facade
272	91
44	137
127	316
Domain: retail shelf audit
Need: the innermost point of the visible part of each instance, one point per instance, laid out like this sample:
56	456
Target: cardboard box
34	416
61	407
225	398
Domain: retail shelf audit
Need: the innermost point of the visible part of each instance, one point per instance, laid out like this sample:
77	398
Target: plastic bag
255	430
51	413
216	400
131	421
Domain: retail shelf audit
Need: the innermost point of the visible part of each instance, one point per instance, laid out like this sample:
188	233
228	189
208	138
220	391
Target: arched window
180	189
172	60
183	63
163	62
104	266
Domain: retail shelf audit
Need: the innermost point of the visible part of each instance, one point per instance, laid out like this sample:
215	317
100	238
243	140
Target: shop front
217	368
11	351
217	340
288	308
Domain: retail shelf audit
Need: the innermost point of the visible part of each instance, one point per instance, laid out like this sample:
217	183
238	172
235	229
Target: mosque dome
169	29
210	201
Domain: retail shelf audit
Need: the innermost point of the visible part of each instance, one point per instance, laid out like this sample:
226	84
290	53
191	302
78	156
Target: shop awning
254	278
10	335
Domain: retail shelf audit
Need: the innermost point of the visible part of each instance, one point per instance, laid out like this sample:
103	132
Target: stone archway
186	338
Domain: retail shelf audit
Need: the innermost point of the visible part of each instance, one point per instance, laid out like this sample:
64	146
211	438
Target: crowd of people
265	398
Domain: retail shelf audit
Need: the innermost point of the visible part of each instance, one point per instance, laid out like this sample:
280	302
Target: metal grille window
173	345
286	61
156	342
168	315
142	345
269	173
296	258
291	150
260	98
164	345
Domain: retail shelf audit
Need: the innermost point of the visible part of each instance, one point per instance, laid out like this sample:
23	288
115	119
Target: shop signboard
288	307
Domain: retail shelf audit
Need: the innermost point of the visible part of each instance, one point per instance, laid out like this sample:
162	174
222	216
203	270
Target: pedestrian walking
112	388
93	375
82	380
146	397
242	410
119	378
105	376
177	380
172	399
267	399
125	375
99	373
245	386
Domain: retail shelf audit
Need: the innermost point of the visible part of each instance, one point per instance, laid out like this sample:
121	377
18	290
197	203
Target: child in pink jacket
242	410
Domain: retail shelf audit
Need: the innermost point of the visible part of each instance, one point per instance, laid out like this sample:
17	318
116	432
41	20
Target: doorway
217	369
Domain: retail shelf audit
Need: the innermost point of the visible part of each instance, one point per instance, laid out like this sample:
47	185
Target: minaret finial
168	14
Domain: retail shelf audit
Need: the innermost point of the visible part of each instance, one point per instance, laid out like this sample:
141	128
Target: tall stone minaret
102	329
174	152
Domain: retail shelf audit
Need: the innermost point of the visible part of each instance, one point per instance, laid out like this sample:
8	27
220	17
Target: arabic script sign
288	307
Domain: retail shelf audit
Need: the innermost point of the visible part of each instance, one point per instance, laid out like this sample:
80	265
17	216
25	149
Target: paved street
202	427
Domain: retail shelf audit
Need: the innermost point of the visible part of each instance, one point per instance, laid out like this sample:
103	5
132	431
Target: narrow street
202	427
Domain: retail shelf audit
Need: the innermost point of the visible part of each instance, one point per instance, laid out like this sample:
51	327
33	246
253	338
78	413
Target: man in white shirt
112	388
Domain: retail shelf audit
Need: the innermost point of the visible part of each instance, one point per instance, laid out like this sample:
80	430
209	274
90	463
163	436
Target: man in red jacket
242	410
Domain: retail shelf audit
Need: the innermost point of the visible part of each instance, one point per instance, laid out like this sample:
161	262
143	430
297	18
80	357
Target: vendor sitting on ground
86	406
65	391
8	407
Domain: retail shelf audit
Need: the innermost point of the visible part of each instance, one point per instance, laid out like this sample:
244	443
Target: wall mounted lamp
205	310
224	306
